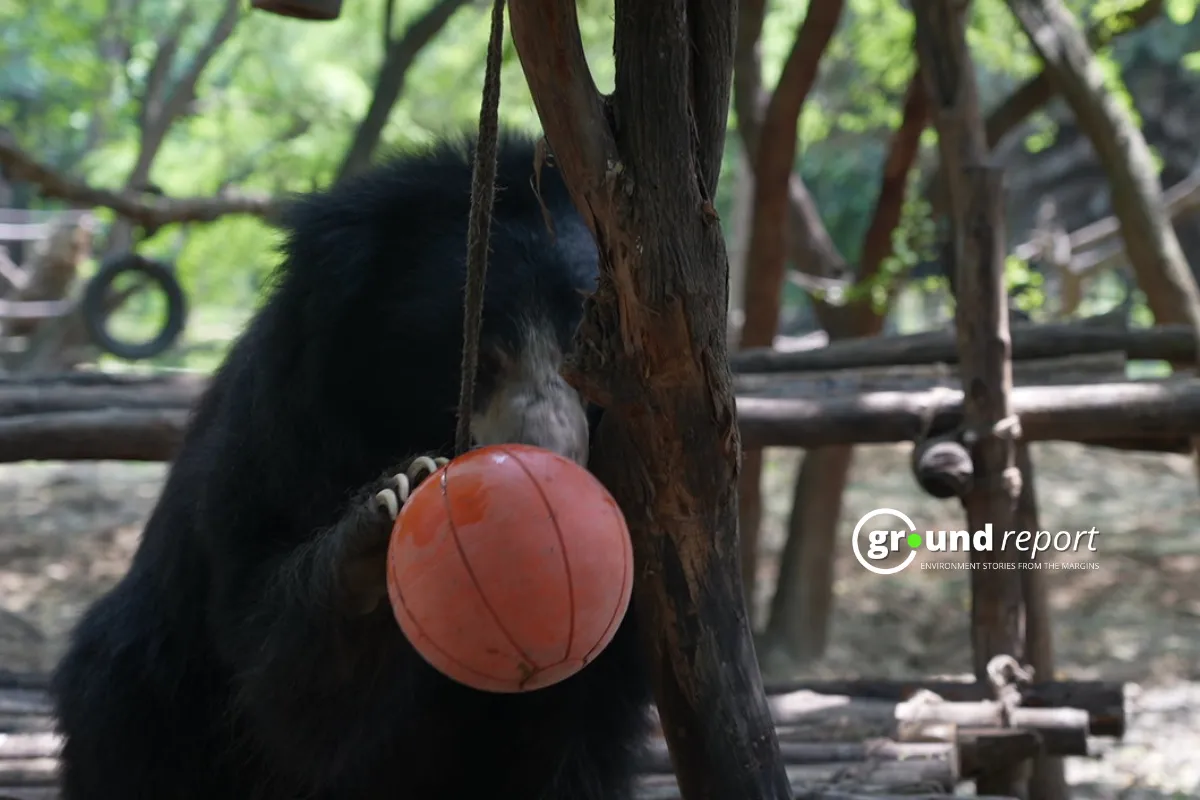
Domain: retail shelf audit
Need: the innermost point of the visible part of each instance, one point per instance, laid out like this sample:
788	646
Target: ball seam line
420	631
479	589
626	576
562	547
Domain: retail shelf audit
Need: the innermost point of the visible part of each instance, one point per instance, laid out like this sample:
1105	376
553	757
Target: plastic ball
510	568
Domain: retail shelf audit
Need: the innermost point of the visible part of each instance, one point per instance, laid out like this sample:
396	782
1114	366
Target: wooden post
1047	780
982	319
642	168
977	254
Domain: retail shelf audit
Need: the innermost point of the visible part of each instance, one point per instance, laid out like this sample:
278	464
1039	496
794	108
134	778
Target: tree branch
1104	234
902	152
712	24
776	152
809	243
1031	96
174	104
389	14
569	105
1038	90
398	58
145	209
155	91
878	243
1137	198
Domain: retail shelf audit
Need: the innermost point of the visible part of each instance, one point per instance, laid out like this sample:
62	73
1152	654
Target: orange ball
510	568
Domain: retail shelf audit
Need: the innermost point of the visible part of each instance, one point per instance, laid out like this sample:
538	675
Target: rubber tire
94	315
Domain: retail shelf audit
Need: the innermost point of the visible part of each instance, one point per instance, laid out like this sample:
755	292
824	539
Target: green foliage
914	239
1044	131
277	107
1024	285
1180	12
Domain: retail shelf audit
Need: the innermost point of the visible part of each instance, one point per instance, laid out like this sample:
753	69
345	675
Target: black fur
227	664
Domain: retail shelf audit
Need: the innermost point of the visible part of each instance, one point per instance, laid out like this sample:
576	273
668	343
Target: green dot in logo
914	540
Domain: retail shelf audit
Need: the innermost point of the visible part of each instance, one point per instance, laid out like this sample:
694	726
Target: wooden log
657	788
86	378
28	745
1089	368
1154	415
28	793
826	755
28	772
809	717
656	758
1162	343
86	390
10	679
823	757
26	725
981	749
1127	410
24	702
34	310
30	761
118	434
1063	731
24	694
43	398
872	779
1103	700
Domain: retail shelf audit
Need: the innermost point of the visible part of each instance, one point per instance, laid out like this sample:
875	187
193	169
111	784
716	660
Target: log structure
840	740
96	417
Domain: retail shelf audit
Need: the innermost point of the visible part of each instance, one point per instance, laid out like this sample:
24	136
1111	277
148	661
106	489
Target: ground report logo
881	543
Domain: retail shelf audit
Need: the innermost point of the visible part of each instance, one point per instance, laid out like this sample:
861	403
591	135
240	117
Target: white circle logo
880	512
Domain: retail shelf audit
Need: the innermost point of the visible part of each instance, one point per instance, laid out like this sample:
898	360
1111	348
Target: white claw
387	498
423	463
393	499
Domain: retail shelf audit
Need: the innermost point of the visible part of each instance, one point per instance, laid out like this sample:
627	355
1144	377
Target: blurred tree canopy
276	102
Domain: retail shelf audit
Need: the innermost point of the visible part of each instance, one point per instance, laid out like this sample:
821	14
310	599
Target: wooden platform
27	745
840	740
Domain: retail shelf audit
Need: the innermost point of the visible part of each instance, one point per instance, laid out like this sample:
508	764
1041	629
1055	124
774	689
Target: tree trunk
974	193
766	259
1031	96
800	611
1136	195
974	190
1137	198
652	351
1047	780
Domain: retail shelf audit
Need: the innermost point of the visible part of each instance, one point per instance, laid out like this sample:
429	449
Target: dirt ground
67	532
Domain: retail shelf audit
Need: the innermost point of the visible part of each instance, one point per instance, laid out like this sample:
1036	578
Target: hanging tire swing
97	297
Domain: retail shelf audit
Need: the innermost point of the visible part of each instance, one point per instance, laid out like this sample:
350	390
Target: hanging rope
483	193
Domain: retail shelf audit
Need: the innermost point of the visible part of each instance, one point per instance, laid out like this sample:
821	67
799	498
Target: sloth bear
250	652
